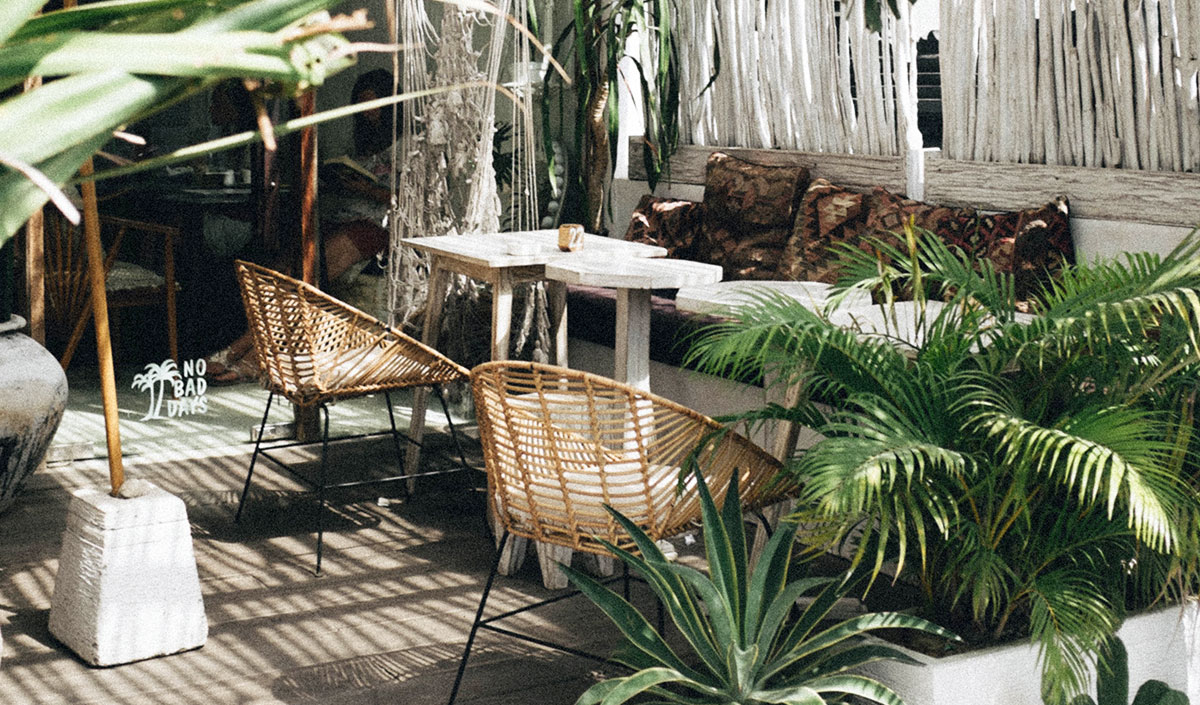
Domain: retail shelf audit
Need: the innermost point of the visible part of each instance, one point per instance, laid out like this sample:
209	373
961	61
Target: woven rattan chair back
313	348
127	283
559	444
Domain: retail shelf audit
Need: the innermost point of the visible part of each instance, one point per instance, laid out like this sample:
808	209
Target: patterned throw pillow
671	223
749	211
1033	244
889	212
829	214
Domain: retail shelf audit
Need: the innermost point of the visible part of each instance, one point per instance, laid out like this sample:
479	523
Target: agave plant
1112	683
1034	476
749	642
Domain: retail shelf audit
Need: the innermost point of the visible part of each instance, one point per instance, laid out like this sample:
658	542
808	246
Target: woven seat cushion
127	276
749	212
623	490
339	369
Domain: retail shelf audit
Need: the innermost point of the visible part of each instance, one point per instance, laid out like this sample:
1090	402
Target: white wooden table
504	260
633	280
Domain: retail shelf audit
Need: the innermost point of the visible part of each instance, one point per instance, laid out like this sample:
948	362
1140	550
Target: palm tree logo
153	380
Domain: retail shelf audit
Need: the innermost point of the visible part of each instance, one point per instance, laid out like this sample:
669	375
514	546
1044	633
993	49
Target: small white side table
633	279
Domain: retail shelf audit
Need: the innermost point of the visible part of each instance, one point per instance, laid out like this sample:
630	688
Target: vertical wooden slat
35	262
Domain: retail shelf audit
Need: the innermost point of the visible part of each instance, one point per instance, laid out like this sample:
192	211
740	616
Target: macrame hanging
444	181
1103	83
796	75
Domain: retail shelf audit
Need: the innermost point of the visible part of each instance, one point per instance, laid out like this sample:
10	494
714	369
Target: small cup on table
570	237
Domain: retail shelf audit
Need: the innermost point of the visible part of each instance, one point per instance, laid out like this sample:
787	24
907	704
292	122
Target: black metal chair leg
323	481
625	580
487	588
462	455
765	524
387	397
254	458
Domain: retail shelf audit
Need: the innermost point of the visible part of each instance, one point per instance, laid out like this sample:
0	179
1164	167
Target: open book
331	166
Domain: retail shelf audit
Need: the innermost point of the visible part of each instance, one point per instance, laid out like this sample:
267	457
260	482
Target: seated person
354	210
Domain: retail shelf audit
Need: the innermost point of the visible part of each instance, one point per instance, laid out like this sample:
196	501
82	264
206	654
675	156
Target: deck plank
385	623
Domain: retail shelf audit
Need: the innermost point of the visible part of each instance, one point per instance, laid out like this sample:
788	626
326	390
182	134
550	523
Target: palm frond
1070	620
1110	456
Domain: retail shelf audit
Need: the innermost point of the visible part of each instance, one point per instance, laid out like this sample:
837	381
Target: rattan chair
127	283
559	444
313	349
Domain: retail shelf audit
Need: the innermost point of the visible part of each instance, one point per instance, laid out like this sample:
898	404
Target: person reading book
355	196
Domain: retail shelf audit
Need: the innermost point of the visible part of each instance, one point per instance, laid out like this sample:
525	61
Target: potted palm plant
1033	477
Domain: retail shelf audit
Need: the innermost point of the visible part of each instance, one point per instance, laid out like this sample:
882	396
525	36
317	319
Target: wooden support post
35	275
108	378
307	424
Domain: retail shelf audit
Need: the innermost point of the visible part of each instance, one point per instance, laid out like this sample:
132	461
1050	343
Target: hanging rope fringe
445	181
1101	83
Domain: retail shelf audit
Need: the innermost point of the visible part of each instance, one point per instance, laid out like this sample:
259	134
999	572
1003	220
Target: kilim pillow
749	210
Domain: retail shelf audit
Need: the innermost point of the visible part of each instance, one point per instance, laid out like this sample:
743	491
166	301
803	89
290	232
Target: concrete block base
127	587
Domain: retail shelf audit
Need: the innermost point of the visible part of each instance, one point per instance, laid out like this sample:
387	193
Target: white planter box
1163	644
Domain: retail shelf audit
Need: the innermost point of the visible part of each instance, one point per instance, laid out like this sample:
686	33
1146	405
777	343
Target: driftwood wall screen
796	75
1104	83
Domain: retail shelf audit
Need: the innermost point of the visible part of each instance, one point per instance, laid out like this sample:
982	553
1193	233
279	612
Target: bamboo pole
108	380
96	276
307	423
35	261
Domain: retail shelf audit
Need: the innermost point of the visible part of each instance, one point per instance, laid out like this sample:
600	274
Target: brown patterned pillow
1033	244
828	214
671	223
889	212
749	210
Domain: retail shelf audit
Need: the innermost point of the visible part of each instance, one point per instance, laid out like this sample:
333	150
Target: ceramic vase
33	395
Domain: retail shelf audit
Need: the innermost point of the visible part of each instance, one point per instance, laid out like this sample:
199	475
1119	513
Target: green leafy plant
592	46
1035	477
1112	683
749	640
117	62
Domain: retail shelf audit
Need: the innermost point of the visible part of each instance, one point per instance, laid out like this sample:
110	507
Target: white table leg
439	281
502	303
633	338
549	556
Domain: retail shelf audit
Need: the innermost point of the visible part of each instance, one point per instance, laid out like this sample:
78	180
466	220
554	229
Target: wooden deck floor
385	623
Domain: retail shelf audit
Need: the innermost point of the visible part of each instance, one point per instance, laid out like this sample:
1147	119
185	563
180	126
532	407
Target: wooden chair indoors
127	284
313	349
560	444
